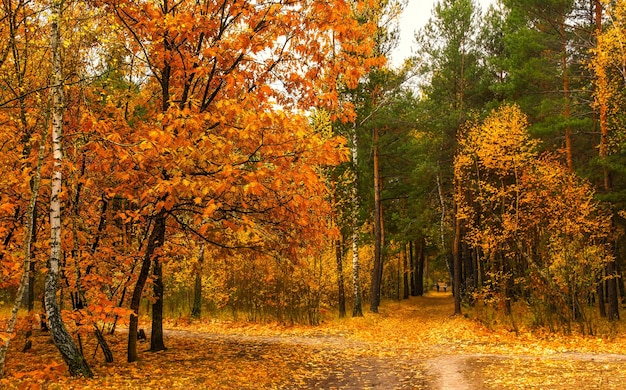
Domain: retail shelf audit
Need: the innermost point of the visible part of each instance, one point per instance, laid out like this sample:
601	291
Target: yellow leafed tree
533	224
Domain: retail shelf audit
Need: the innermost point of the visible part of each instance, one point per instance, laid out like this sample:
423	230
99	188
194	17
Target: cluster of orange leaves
195	110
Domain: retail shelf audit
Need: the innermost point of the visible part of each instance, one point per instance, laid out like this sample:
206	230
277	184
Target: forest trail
449	373
418	345
413	344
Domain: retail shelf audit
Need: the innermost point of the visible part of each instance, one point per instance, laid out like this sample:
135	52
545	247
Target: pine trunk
601	298
377	269
419	272
603	105
442	223
456	282
406	273
413	262
566	96
613	299
621	290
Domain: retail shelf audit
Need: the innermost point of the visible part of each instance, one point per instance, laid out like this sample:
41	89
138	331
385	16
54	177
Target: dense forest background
262	161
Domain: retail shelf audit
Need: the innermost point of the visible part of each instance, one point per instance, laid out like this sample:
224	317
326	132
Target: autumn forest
240	194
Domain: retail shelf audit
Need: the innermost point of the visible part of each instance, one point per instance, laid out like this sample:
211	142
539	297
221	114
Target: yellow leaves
4	337
511	199
338	353
501	143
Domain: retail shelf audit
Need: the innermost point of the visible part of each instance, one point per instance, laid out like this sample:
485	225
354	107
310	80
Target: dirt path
429	350
335	362
413	344
449	372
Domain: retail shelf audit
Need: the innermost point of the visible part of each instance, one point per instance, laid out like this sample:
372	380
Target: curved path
440	360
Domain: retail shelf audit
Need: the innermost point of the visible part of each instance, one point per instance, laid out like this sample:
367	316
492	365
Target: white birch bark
62	339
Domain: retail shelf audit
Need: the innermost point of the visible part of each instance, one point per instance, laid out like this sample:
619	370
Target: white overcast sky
416	15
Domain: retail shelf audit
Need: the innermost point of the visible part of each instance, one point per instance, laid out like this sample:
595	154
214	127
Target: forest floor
413	344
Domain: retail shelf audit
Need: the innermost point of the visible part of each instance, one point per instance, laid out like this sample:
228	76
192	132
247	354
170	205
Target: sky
416	15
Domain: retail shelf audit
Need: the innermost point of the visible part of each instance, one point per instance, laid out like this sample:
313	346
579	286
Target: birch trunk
27	265
456	272
62	339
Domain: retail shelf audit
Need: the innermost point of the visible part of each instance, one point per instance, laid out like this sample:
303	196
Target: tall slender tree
454	86
608	66
62	339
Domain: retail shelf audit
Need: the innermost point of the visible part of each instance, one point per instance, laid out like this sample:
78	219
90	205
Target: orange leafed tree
225	151
187	118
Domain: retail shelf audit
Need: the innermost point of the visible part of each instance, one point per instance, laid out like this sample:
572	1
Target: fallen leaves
403	347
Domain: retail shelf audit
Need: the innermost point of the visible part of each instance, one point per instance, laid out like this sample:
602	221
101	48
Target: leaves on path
396	349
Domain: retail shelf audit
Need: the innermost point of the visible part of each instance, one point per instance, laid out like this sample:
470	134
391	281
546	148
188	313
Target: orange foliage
196	110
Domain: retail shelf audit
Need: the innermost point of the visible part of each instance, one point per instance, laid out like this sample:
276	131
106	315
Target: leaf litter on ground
397	348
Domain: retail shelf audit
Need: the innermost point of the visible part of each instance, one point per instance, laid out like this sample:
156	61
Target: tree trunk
377	268
157	236
613	300
357	310
566	96
156	337
621	289
442	222
602	83
106	351
196	311
29	299
475	267
406	273
62	339
26	278
601	300
123	297
468	269
413	262
421	263
30	292
340	282
456	282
